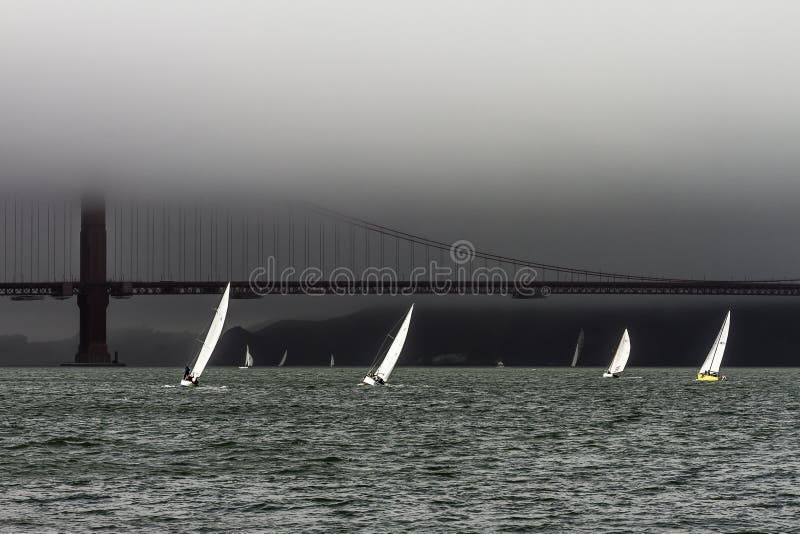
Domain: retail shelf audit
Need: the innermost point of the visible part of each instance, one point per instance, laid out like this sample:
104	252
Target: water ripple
439	450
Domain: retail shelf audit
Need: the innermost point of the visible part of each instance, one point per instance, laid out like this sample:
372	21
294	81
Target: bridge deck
243	289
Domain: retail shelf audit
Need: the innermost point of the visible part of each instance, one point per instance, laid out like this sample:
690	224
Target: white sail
578	348
714	359
214	331
331	360
621	356
283	360
248	358
393	354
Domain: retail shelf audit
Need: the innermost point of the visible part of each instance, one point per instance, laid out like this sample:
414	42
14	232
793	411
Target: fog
560	95
641	137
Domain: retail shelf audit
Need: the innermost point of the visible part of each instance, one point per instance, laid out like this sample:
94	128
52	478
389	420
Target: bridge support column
93	294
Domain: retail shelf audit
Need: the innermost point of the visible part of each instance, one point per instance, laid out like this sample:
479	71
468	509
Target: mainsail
578	348
331	360
248	358
621	356
283	360
393	354
713	361
214	331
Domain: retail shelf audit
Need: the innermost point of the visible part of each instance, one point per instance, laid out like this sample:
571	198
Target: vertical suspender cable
198	239
49	255
336	244
64	240
132	243
37	243
183	239
33	225
70	241
16	254
291	238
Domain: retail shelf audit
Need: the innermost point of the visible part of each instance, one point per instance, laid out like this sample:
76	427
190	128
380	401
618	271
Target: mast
622	354
713	361
214	332
393	354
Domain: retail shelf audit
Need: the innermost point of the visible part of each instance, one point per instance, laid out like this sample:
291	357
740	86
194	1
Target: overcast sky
649	137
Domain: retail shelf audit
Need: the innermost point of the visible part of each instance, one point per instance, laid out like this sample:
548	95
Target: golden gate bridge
95	248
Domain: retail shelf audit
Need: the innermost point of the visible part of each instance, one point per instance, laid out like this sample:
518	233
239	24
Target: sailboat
331	360
191	376
380	374
709	371
248	359
578	348
283	359
620	357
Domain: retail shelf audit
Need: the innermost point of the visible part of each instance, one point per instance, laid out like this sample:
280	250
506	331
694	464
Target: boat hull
245	367
368	380
710	378
188	383
610	375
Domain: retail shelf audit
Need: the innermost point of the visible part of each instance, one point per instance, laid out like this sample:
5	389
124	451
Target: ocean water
468	450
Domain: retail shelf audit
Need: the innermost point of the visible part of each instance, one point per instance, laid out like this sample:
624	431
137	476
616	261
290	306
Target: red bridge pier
93	292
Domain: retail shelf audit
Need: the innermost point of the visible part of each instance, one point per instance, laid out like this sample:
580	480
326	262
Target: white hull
245	367
187	383
368	380
610	375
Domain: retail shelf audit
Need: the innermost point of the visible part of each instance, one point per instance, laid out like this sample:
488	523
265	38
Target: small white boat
578	348
620	357
499	364
709	371
191	378
380	374
331	360
283	359
248	359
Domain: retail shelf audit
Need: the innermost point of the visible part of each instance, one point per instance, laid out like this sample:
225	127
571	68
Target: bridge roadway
538	289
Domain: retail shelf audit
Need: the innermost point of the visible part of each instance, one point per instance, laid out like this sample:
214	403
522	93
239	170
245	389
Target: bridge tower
93	294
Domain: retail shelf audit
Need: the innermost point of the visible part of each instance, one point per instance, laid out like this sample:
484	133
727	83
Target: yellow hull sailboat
709	371
708	378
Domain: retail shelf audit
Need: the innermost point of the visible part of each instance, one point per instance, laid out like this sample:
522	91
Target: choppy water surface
439	449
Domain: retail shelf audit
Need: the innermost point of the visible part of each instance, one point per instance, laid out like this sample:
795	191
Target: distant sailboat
709	371
578	348
331	360
380	374
283	359
190	378
500	363
620	357
248	359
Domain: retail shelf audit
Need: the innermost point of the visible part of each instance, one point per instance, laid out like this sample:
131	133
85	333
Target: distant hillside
354	339
535	335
